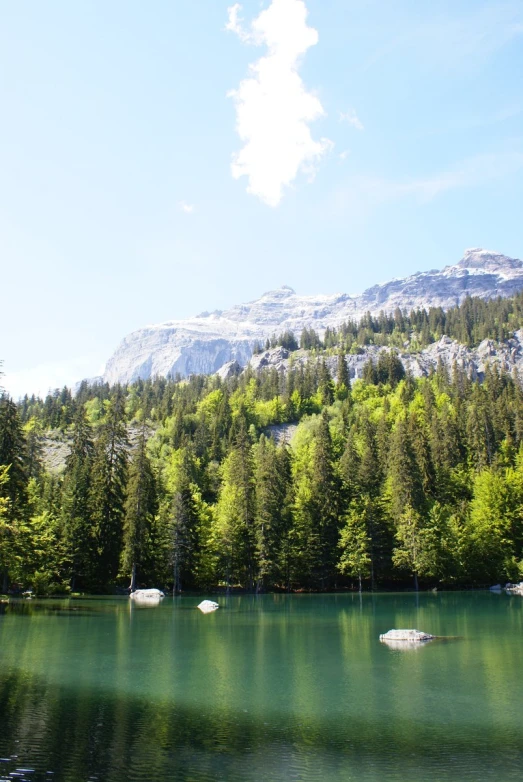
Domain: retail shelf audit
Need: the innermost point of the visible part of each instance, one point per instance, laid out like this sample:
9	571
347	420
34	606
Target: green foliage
387	478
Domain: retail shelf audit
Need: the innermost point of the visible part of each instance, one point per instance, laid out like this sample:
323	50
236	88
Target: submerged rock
406	636
207	606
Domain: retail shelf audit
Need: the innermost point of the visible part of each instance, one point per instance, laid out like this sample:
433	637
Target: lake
276	687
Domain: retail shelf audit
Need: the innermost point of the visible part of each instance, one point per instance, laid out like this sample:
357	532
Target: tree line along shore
387	479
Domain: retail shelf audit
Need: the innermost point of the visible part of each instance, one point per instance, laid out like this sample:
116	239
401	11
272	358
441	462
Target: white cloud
273	107
188	209
234	24
352	119
344	155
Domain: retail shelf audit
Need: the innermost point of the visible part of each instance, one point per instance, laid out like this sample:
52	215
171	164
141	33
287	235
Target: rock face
507	356
205	343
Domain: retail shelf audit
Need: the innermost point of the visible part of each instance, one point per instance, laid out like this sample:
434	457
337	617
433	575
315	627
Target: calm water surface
268	688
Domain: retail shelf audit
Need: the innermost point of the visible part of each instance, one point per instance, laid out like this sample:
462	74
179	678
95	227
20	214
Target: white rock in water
147	594
410	636
406	646
207	606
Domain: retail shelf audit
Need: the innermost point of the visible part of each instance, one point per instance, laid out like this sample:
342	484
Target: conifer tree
107	493
355	542
269	500
13	455
416	545
324	502
343	384
183	520
234	529
404	477
325	384
141	506
75	509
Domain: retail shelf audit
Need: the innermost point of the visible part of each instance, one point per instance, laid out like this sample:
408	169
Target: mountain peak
279	293
203	345
479	258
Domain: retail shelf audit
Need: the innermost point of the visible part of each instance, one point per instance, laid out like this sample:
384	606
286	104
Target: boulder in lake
141	595
207	606
406	636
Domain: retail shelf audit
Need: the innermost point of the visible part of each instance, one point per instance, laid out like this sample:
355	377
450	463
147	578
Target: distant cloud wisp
352	119
363	193
273	107
187	209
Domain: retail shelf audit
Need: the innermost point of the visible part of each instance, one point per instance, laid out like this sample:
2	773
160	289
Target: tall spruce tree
355	541
141	506
75	505
325	503
13	455
107	493
182	519
234	529
343	384
269	512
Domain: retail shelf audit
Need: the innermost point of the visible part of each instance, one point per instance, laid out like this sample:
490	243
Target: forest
288	481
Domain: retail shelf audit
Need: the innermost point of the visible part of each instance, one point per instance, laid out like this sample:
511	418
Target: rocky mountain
209	341
507	356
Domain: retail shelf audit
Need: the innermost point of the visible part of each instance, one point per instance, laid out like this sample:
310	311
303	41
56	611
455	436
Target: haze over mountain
206	342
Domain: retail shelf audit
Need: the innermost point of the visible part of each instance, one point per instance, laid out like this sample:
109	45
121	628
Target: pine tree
343	384
6	529
75	509
325	384
183	520
234	528
350	465
107	494
269	512
405	481
13	455
416	545
141	506
356	543
325	502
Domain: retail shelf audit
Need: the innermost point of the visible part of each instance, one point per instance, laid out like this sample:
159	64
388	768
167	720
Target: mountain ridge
204	343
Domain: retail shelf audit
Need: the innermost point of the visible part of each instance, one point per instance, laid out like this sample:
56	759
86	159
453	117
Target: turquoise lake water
270	688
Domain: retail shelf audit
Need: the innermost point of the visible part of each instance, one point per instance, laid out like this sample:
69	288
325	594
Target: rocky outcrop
506	355
230	369
207	342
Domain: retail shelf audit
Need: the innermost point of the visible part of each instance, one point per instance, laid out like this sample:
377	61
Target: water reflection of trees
347	708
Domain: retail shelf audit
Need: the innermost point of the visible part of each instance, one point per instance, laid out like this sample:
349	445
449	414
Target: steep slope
506	356
205	343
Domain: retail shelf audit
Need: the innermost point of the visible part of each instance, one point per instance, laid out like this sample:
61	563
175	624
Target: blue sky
378	139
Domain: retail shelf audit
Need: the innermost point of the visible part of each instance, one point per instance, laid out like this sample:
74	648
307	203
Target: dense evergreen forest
388	480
